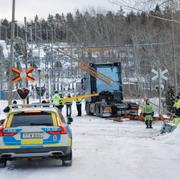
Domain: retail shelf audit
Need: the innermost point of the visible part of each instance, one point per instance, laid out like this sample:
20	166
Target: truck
105	79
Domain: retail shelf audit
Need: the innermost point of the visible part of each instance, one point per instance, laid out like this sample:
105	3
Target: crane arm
96	74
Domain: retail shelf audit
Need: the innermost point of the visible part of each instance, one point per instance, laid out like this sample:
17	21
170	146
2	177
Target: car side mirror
70	120
6	109
2	121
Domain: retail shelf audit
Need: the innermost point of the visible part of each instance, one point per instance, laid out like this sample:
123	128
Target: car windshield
32	119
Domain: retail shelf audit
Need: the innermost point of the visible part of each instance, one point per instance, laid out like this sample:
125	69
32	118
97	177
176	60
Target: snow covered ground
107	150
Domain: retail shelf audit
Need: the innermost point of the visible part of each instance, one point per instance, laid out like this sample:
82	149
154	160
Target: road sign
29	78
23	93
22	74
156	74
160	74
18	72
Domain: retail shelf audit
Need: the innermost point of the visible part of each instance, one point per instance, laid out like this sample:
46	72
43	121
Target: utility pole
25	54
160	90
25	44
39	75
52	64
10	85
173	54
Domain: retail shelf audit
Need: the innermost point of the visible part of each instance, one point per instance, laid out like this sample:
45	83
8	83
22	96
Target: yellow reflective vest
56	99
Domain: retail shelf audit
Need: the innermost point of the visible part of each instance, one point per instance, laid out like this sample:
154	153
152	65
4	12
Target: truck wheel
98	110
3	163
88	109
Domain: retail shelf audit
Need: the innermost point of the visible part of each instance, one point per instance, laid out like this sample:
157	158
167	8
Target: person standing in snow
61	102
148	113
68	106
56	99
79	106
176	105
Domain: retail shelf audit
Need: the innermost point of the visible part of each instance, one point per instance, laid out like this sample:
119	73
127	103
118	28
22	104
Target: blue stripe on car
10	140
52	139
9	130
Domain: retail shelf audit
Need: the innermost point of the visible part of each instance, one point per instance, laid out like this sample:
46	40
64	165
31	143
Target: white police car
35	132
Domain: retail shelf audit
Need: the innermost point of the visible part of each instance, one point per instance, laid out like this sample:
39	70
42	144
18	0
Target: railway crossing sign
160	74
22	74
18	72
29	78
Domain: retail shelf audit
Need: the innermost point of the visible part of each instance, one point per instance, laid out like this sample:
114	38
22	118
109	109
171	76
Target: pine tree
170	98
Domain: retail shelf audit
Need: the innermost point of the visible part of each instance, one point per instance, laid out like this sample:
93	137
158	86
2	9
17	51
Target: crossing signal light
40	91
23	93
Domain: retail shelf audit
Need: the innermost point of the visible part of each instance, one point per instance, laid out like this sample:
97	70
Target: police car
35	132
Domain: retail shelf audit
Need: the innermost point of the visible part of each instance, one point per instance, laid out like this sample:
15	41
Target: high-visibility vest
176	121
148	110
56	99
177	104
177	108
78	101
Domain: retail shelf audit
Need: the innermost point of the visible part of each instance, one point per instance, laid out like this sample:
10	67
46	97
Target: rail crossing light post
160	90
10	85
160	75
39	74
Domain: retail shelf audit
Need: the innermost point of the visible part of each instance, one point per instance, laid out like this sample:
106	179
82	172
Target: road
106	150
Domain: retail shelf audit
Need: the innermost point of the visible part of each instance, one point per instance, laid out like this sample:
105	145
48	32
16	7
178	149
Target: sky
29	8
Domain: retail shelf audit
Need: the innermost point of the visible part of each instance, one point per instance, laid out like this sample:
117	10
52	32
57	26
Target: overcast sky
42	8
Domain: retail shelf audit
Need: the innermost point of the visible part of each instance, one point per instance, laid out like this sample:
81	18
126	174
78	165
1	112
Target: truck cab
109	102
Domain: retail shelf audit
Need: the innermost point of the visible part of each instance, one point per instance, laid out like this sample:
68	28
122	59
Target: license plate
32	135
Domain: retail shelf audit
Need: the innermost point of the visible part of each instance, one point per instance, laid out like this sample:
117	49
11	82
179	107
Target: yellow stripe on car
69	141
54	119
53	145
10	147
31	141
9	121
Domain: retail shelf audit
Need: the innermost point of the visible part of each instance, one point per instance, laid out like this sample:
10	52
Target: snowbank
5	50
3	104
172	138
